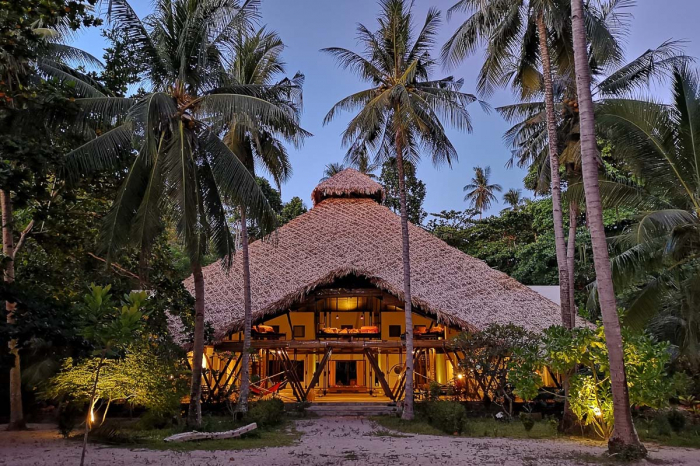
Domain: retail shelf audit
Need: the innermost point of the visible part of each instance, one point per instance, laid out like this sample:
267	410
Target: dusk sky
309	25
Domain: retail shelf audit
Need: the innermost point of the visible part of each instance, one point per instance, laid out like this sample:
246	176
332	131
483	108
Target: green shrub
266	413
434	391
676	420
155	420
448	416
68	414
527	421
662	426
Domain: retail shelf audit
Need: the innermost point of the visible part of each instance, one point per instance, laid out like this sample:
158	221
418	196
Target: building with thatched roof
327	301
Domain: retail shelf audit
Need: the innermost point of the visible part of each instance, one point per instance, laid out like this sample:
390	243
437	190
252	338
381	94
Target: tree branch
117	268
22	238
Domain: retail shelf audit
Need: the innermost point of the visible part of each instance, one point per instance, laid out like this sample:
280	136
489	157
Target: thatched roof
348	183
347	234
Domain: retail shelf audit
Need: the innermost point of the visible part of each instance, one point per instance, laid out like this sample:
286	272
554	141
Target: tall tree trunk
408	397
8	250
571	259
245	364
624	437
194	414
559	240
91	405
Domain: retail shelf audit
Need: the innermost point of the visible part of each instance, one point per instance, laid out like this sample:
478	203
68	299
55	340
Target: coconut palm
513	197
521	35
624	437
258	63
332	169
400	114
659	259
180	170
528	135
480	193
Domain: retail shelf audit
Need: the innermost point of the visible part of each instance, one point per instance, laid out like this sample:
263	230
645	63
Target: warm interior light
460	376
92	416
337	316
362	317
204	362
597	411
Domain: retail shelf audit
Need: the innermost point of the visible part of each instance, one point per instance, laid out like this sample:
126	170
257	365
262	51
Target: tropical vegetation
136	170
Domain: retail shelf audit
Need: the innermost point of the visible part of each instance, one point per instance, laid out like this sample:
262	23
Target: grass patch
129	434
476	427
689	437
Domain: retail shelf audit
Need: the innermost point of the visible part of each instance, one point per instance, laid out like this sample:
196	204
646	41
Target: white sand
347	441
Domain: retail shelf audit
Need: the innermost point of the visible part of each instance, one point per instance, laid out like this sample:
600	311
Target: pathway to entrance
347	441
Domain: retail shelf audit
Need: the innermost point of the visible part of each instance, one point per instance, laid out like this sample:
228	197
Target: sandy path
346	441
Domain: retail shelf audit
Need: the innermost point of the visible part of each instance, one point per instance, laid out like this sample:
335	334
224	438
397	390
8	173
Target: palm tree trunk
571	258
194	414
8	250
624	437
559	241
408	397
245	364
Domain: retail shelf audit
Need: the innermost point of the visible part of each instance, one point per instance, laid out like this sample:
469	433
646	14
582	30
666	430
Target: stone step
347	409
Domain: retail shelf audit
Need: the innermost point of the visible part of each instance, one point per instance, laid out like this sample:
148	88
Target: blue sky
309	25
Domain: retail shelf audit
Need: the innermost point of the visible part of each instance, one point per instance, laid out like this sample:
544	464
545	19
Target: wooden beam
318	372
217	380
297	389
233	373
315	345
380	375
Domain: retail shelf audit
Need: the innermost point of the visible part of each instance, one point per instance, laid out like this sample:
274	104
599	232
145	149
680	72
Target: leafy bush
68	414
448	416
676	420
528	422
434	391
662	426
583	351
266	413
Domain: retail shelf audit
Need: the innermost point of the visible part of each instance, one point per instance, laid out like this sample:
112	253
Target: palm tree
528	135
399	115
520	34
332	169
513	197
624	437
258	63
480	194
659	259
180	169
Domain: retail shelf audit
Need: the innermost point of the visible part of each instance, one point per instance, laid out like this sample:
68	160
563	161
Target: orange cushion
420	329
354	330
344	331
369	329
265	329
330	330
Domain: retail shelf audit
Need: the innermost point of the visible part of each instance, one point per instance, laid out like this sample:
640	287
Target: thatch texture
351	235
348	183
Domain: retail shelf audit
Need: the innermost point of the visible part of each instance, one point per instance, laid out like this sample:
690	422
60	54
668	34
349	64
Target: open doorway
346	373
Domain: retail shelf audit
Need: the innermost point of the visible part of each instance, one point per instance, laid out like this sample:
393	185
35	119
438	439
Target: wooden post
380	375
232	374
297	389
318	372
